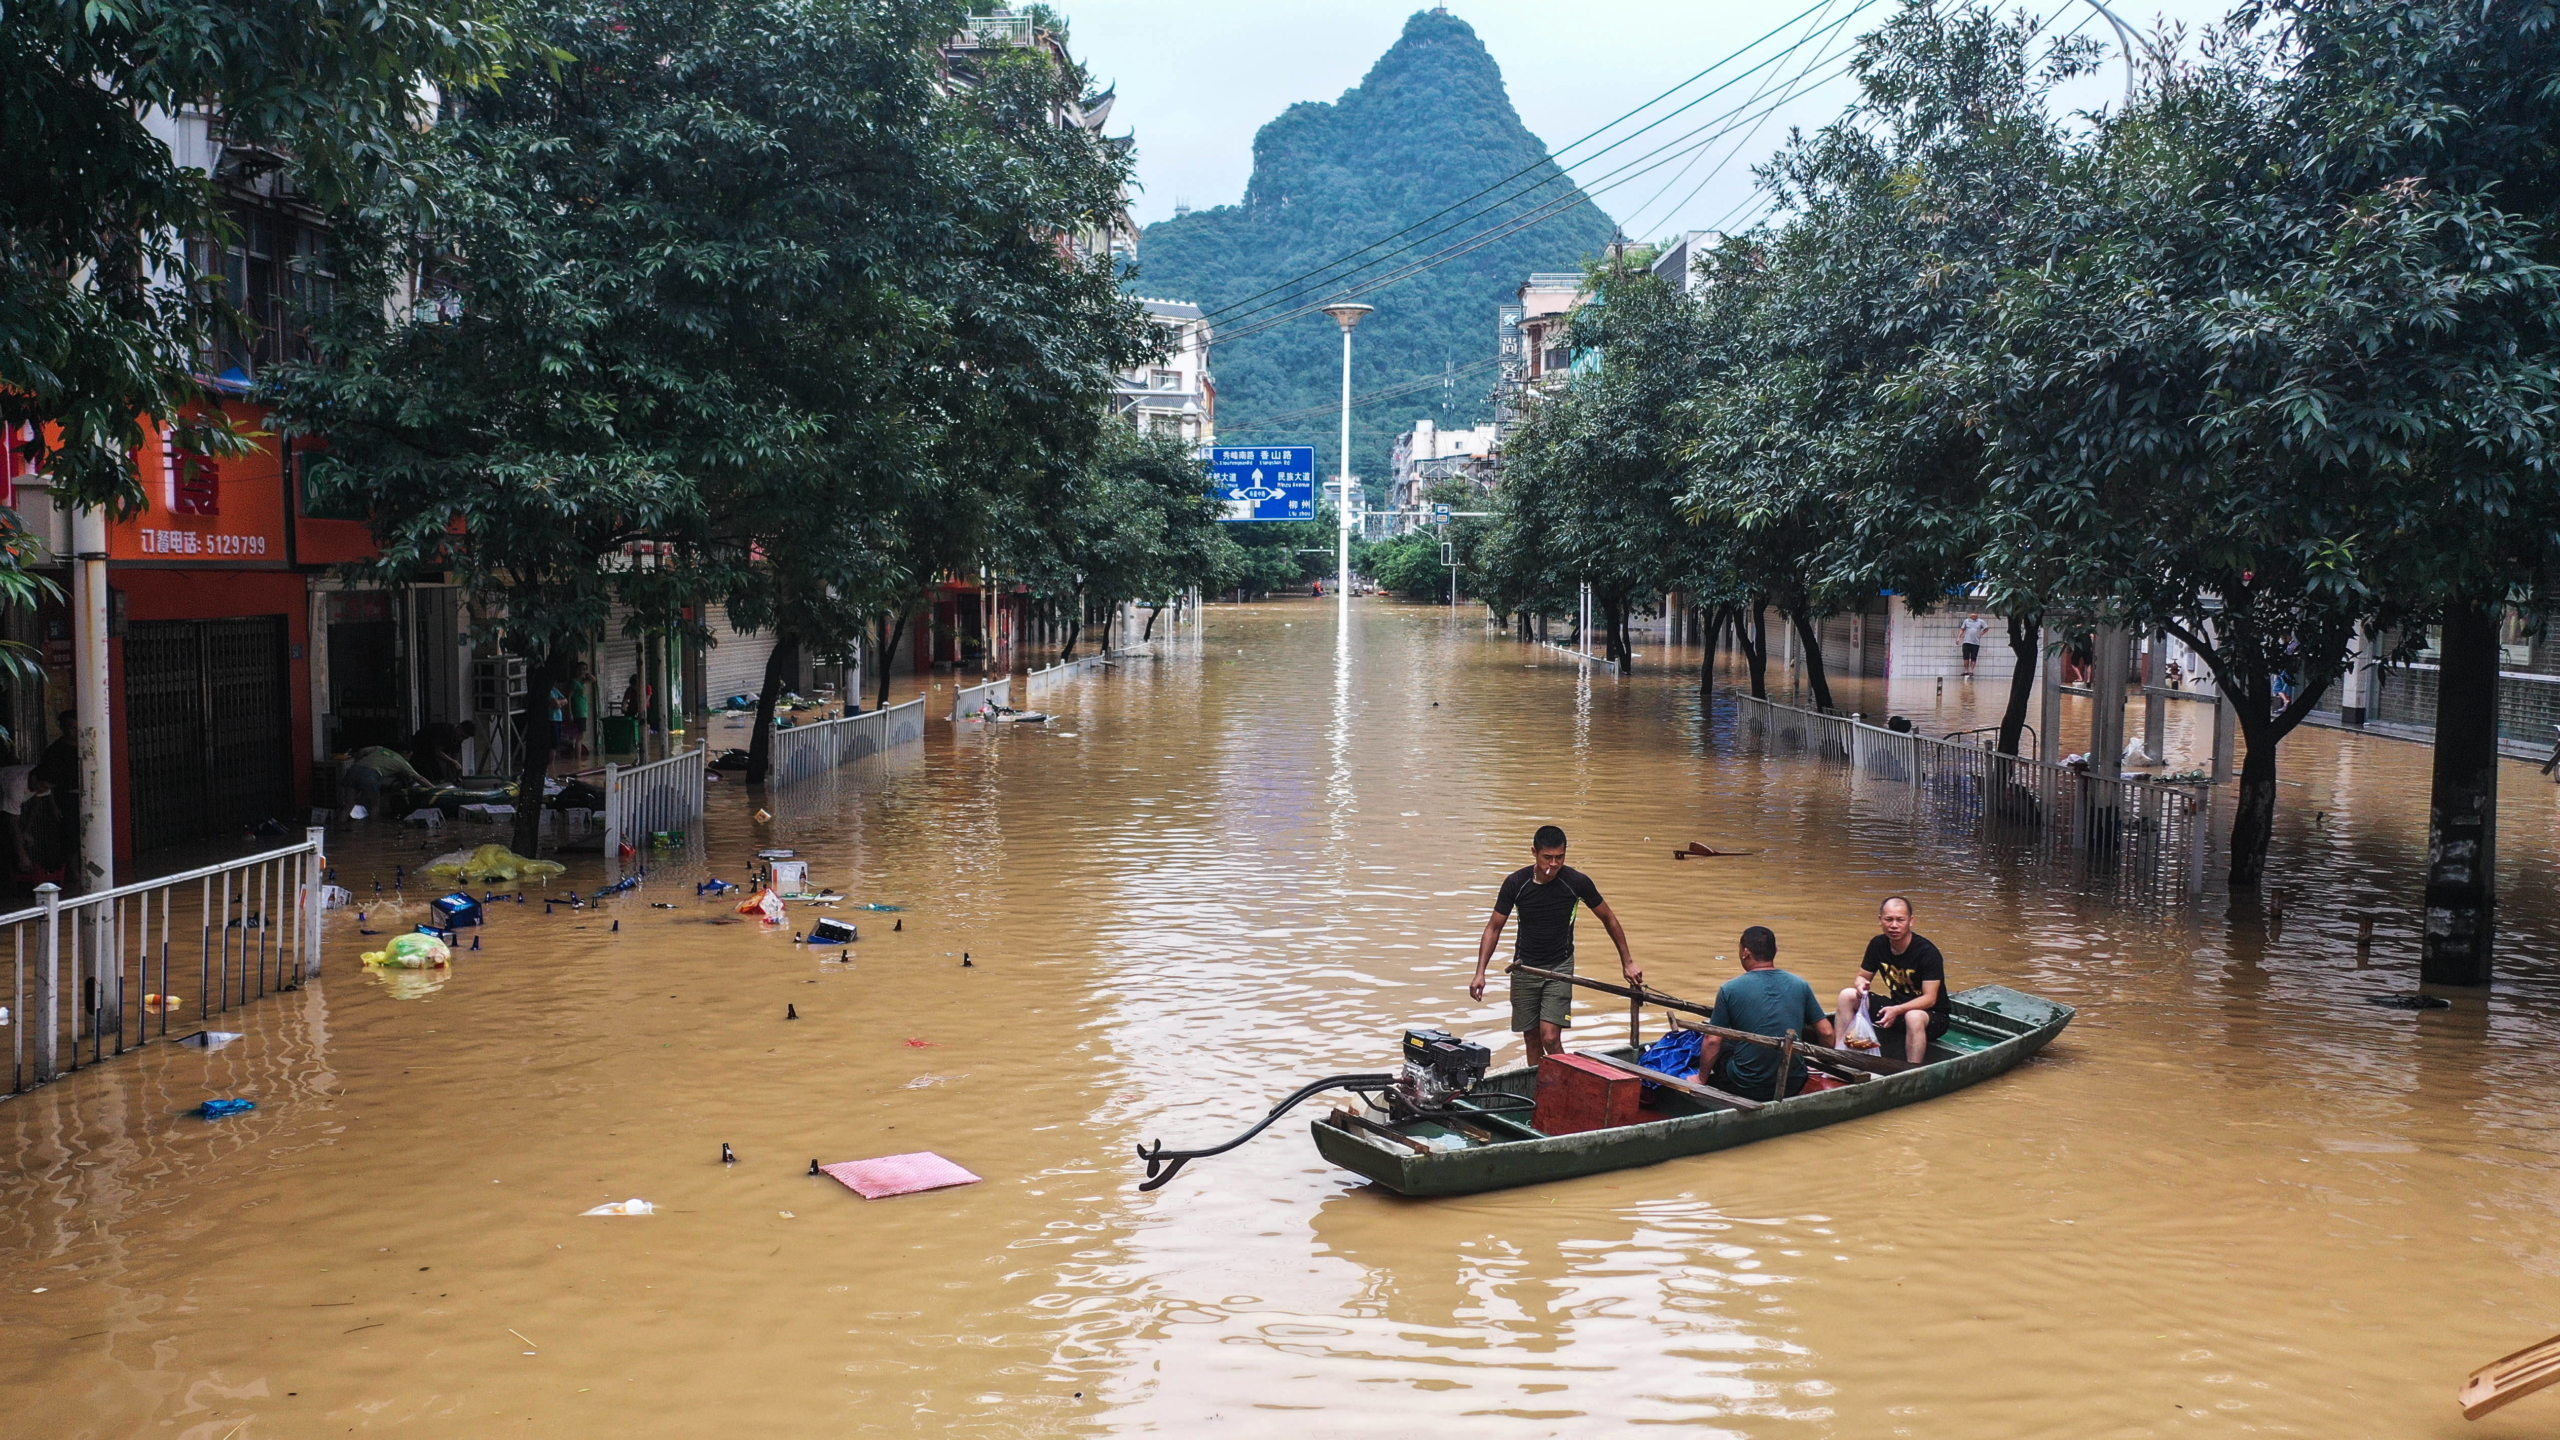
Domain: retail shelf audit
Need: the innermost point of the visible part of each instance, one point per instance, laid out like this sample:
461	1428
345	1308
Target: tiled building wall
2528	702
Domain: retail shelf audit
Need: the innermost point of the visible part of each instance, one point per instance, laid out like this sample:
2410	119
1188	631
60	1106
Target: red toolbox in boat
1575	1095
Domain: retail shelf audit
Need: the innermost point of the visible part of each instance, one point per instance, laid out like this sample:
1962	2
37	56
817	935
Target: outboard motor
1438	1068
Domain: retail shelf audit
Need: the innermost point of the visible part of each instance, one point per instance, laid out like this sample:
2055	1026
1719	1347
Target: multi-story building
1678	262
1426	455
1173	394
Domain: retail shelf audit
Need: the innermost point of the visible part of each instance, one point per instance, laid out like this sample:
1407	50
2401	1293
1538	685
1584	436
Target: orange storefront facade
210	662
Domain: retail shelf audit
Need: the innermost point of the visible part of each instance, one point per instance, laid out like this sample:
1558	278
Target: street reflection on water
2232	1198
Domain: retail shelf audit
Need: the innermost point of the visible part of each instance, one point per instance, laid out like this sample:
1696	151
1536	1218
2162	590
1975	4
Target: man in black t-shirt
1546	895
1913	976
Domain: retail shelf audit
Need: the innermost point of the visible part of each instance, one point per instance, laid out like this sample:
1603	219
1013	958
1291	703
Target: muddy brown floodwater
2233	1198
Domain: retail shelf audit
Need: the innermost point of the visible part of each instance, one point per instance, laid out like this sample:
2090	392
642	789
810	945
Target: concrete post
2353	696
2106	720
48	1006
2049	713
2226	737
97	866
2155	702
316	866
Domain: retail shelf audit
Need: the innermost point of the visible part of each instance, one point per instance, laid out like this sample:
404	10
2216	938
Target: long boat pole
1874	1063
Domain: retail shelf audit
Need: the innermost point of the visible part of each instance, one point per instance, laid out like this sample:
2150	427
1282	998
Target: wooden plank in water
2511	1378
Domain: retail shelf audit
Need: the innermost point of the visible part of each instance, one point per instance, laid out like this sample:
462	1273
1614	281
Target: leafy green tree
103	317
728	271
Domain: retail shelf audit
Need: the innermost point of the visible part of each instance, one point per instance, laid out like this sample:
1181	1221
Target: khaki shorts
1534	999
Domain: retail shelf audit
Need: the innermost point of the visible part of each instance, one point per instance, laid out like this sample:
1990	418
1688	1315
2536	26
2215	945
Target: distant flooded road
2233	1198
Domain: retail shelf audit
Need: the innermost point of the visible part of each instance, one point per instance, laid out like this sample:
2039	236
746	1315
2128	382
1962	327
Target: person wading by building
1914	977
1763	1000
1546	894
1975	627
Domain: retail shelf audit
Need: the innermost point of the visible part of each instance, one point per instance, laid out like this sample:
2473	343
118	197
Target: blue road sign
1439	514
1265	482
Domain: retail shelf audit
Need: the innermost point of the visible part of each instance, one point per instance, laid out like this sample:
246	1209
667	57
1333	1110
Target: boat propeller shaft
1163	1164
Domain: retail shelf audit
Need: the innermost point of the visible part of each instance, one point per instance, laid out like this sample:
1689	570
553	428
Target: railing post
315	868
49	985
612	813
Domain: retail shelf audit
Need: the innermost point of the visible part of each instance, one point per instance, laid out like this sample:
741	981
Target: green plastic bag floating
412	951
490	864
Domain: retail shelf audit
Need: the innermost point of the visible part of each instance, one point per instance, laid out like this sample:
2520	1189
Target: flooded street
2233	1198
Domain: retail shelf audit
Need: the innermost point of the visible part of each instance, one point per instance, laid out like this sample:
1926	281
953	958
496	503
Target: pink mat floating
899	1175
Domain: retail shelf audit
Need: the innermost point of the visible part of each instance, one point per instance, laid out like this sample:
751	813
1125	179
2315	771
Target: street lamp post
1347	314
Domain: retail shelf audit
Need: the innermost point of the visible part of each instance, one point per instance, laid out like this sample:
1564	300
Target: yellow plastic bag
413	951
491	864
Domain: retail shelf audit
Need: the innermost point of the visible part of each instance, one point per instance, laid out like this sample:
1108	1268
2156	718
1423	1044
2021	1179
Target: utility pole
90	700
1347	314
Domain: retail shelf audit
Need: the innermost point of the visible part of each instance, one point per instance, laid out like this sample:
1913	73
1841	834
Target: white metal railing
661	795
971	698
105	970
806	750
1041	681
1585	656
2133	836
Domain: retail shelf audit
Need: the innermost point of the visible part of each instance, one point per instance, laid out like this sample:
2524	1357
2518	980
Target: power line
1235	313
1632	170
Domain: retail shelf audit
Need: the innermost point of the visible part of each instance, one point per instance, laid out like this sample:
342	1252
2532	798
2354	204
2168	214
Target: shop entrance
208	727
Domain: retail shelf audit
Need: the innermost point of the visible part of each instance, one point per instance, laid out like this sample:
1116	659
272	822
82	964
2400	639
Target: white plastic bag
1857	1032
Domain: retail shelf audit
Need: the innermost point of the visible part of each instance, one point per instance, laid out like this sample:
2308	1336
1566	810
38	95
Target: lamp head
1348	313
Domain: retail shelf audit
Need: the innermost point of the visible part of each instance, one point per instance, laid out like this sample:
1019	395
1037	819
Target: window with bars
278	274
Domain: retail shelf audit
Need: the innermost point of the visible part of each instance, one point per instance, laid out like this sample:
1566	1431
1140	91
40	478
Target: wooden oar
2512	1378
1686	1087
1873	1064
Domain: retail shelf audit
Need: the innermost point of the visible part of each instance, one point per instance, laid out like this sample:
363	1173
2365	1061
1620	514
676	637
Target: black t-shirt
1546	914
1899	976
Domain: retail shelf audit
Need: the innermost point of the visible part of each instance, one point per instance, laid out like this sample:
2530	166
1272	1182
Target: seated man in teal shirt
1763	1000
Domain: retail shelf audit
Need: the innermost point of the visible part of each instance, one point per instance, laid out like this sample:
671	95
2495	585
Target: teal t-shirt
1765	1002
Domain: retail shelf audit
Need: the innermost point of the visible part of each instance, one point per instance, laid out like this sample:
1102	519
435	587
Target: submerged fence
966	702
661	795
806	750
1040	682
2135	838
101	974
1585	656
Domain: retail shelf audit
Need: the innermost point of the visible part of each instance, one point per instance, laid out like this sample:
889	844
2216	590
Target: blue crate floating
457	911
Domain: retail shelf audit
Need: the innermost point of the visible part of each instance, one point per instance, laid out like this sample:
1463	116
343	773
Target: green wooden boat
1991	1029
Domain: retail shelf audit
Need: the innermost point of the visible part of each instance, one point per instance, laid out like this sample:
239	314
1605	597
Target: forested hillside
1429	126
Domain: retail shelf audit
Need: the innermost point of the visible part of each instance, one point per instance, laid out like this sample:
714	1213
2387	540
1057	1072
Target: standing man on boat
1546	895
1915	983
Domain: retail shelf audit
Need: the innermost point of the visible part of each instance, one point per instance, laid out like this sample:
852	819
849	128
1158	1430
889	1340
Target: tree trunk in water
534	765
1754	641
2462	811
1067	651
893	629
779	666
1813	673
2255	822
1707	659
1150	632
2022	681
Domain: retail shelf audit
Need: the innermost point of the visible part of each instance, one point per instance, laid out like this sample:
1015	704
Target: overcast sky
1197	81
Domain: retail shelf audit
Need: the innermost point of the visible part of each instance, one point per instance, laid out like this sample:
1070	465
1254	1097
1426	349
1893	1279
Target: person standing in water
1546	894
